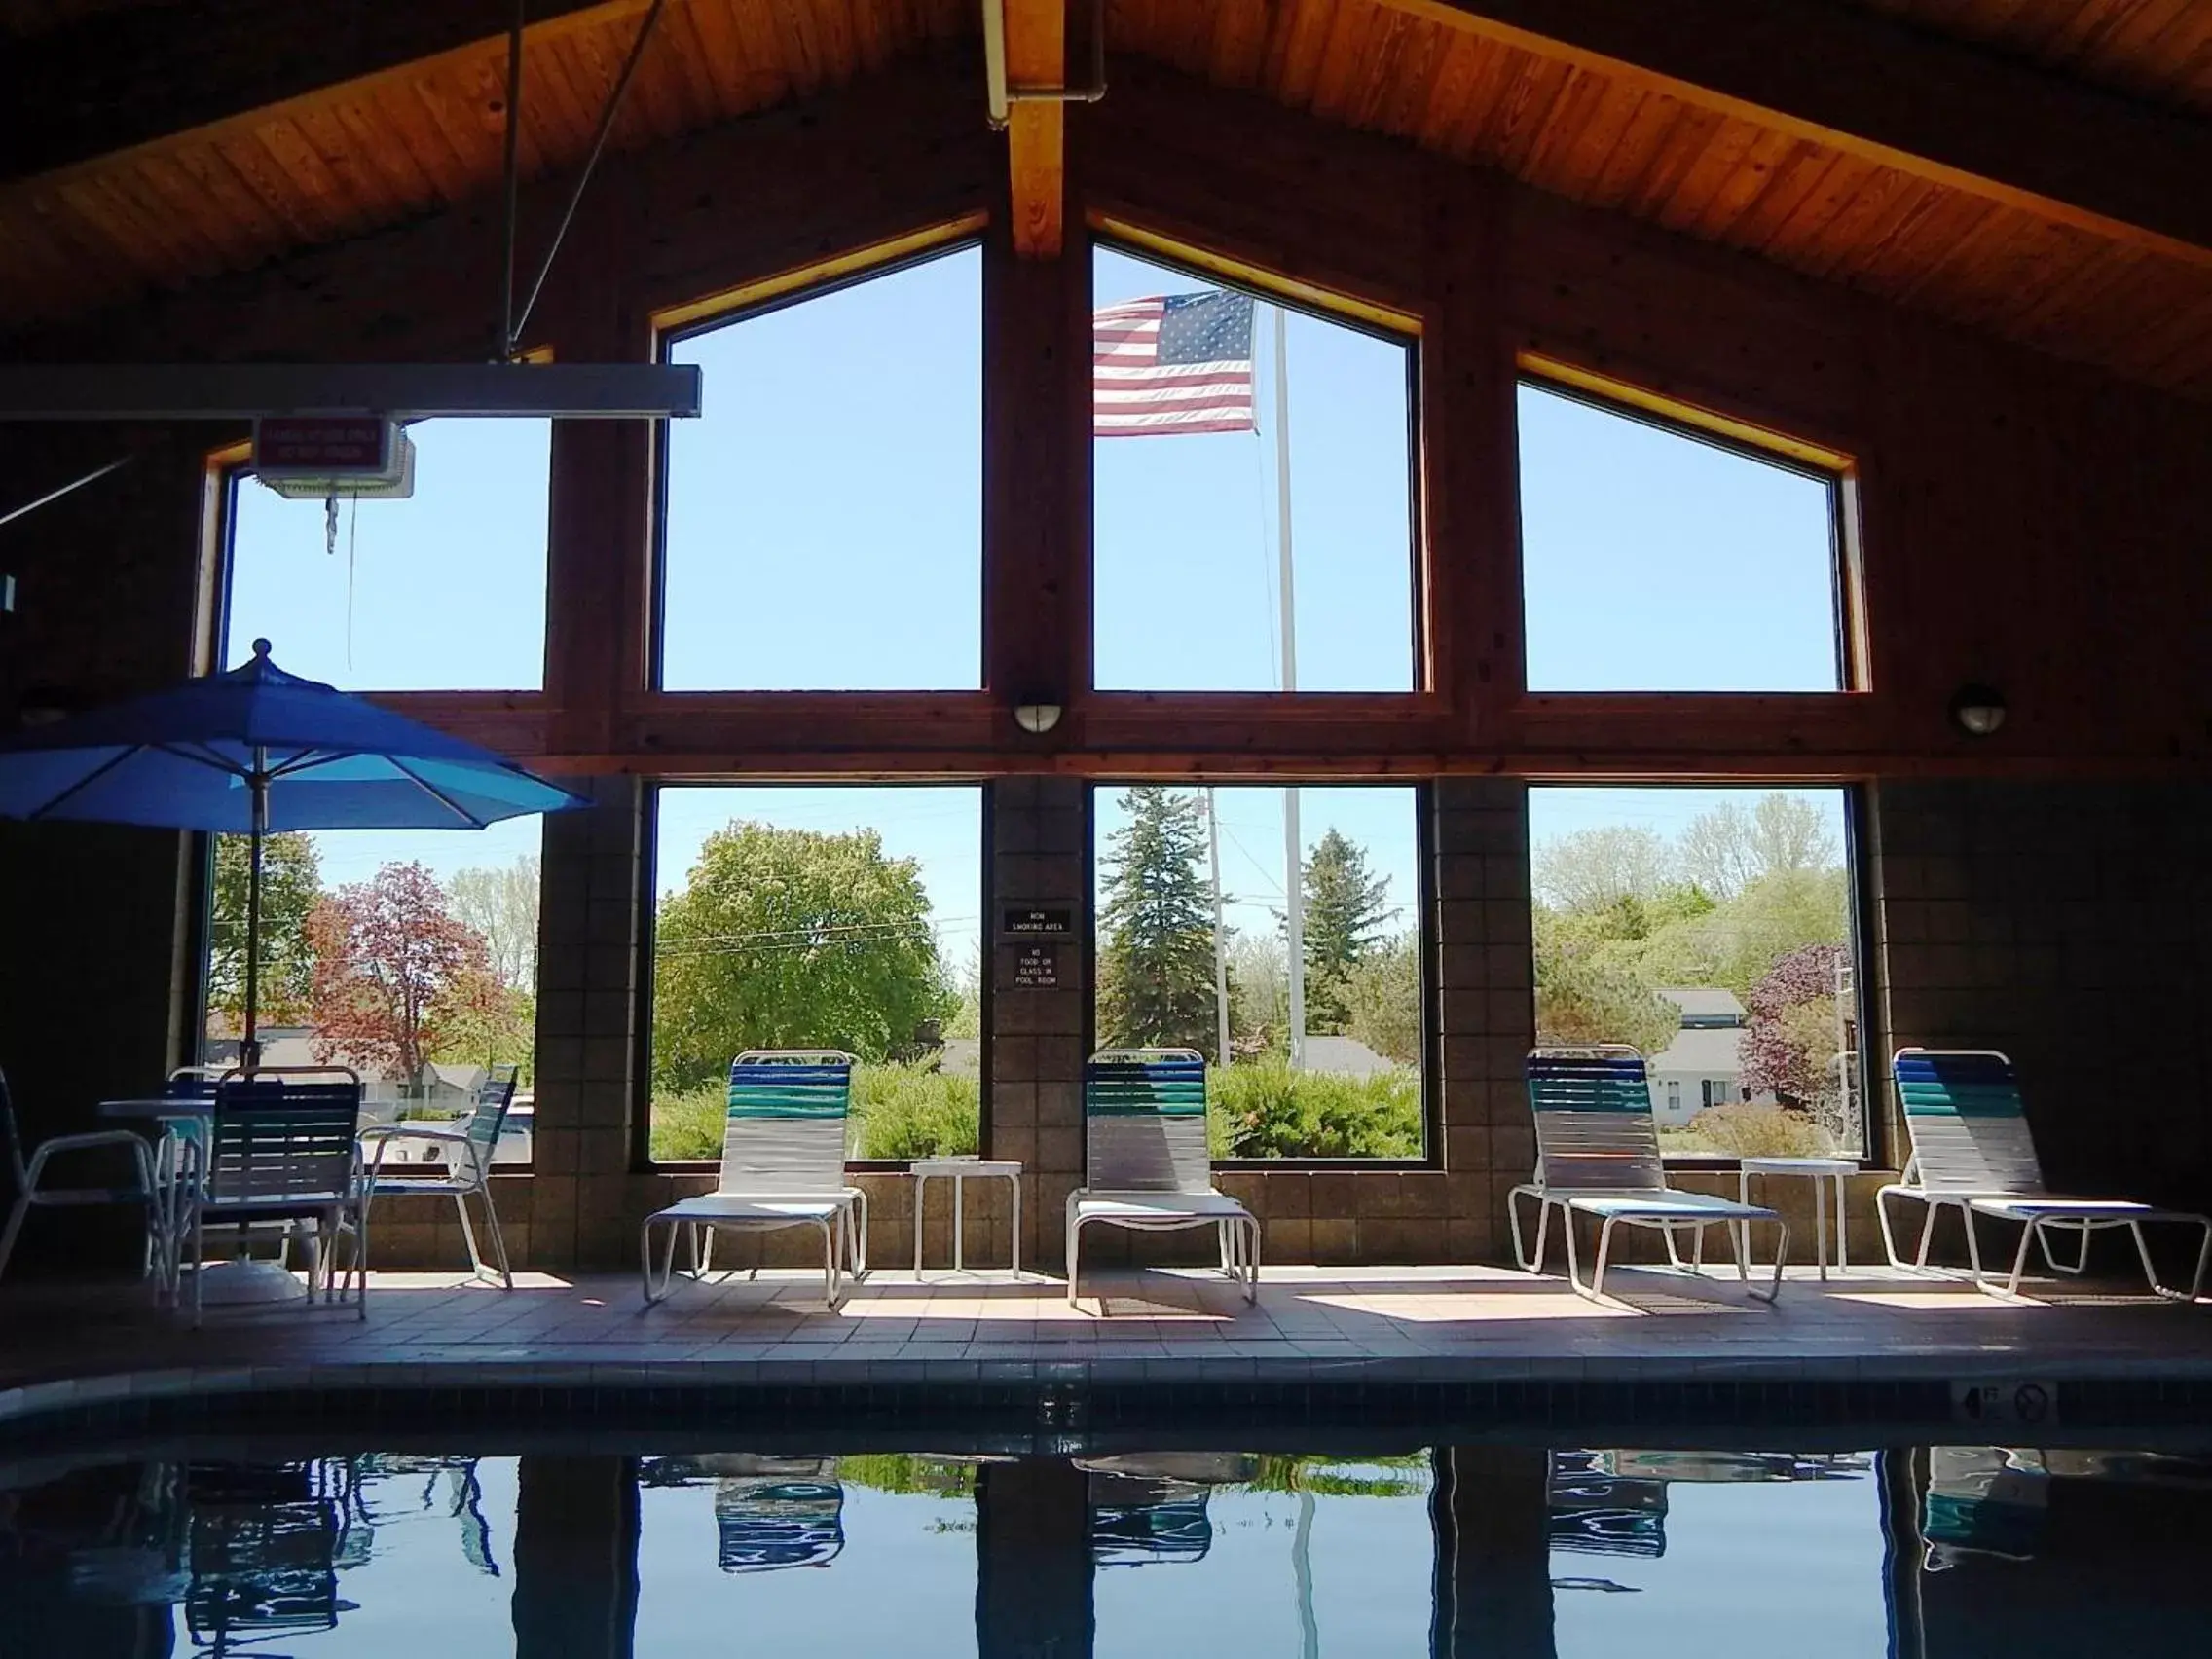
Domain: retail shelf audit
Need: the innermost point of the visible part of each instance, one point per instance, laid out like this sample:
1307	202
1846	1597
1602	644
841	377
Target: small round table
960	1170
1818	1171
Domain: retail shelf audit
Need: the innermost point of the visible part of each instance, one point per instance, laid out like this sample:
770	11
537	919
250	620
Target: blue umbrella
256	750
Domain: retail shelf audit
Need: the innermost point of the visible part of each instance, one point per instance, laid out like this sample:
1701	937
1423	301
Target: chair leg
1605	1252
2028	1231
468	1236
1974	1245
2081	1263
498	1238
1780	1255
859	1234
1513	1221
1074	1258
829	1228
17	1213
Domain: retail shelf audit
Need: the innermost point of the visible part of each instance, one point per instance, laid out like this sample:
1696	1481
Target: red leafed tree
393	969
1780	1051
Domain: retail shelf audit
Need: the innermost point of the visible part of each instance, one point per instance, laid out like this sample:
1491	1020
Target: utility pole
1293	844
1220	936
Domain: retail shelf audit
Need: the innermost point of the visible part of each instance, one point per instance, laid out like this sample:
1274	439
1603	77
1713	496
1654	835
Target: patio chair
783	1165
1598	1155
280	1149
1972	1151
33	1191
779	1512
466	1171
1144	1113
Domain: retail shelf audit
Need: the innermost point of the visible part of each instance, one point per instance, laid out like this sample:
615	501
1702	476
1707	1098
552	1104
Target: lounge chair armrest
403	1131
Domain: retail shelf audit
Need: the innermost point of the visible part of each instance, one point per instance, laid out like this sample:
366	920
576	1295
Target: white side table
961	1170
1819	1171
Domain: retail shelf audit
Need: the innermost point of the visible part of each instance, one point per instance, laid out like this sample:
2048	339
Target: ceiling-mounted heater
321	457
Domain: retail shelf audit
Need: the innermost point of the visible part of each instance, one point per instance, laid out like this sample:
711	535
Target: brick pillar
1032	1561
1493	1583
577	1526
1040	858
1485	1008
587	1035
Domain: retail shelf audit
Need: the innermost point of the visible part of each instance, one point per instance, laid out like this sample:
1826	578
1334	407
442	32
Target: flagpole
1293	845
1219	937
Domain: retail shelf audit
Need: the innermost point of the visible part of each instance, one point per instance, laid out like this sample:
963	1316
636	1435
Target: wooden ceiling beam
1857	81
1036	60
123	79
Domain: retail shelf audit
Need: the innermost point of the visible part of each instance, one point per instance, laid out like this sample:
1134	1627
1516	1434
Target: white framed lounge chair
1146	1169
1598	1155
1973	1151
466	1168
783	1165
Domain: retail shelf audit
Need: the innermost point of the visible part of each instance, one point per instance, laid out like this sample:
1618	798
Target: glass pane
777	1547
824	515
1711	928
1238	1553
410	955
442	592
1722	1549
1187	520
1350	1085
1654	561
835	917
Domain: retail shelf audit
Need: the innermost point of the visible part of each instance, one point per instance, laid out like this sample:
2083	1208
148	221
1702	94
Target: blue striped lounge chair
783	1165
1144	1113
1973	1151
1598	1155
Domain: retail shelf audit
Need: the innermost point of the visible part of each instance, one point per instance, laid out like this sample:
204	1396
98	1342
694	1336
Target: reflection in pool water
1932	1552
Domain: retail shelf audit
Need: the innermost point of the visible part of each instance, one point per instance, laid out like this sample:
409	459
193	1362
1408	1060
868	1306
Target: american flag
1172	363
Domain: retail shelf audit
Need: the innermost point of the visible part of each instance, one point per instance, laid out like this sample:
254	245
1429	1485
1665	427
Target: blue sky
825	530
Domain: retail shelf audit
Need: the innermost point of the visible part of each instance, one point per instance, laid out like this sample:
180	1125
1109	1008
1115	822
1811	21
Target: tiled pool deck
68	1347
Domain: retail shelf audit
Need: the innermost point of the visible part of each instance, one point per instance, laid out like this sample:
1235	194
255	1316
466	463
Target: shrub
1760	1131
897	1111
1267	1110
687	1124
911	1111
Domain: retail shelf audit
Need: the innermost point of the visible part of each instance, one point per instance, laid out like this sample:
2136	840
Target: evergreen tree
1346	910
1156	965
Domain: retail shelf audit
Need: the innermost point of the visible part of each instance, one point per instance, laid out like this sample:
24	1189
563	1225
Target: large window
444	591
1190	497
1200	1552
1713	930
409	955
1194	933
823	517
835	917
1657	559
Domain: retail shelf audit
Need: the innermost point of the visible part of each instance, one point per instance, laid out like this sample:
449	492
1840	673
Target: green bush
1263	1109
1745	1130
910	1111
899	1111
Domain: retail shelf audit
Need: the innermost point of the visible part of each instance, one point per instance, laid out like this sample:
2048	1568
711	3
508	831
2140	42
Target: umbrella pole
250	1048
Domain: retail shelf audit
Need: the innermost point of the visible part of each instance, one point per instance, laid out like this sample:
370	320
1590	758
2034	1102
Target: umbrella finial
261	649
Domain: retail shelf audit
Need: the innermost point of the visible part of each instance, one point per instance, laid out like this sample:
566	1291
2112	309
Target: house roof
1706	999
2034	169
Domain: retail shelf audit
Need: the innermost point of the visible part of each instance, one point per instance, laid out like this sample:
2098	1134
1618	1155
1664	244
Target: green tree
1347	907
790	938
291	885
1259	995
1592	869
1383	996
1585	994
1156	961
1728	850
501	906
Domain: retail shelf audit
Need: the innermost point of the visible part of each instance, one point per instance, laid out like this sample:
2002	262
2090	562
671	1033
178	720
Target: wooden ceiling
403	116
2158	50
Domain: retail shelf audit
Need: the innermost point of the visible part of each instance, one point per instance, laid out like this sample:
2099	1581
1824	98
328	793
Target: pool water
1946	1552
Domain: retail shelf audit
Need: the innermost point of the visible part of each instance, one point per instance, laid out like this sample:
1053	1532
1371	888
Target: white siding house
1702	1066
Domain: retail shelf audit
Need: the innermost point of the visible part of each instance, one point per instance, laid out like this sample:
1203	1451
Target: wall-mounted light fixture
1977	710
1036	719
